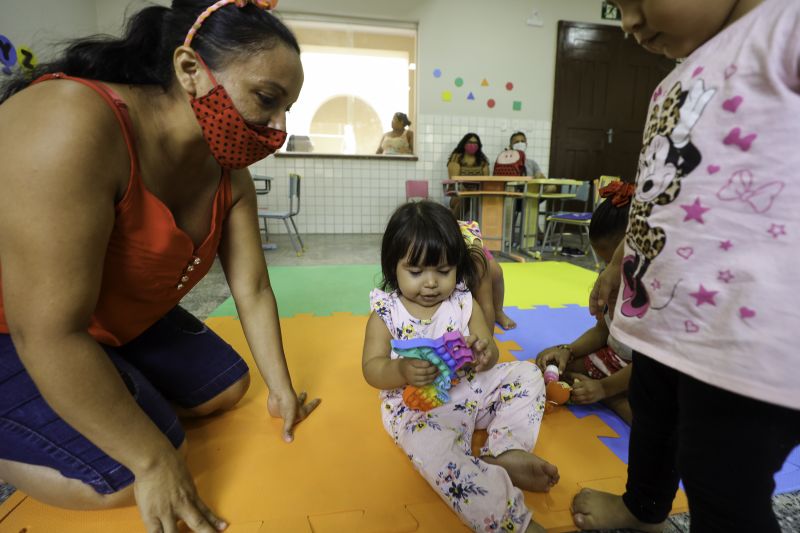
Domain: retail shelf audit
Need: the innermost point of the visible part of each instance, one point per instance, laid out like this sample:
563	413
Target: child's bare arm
481	341
587	390
380	370
592	339
617	383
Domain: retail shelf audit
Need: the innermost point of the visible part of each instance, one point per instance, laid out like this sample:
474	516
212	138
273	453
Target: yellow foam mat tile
549	283
342	472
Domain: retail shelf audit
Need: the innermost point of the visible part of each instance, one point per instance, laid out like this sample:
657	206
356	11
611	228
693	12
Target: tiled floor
364	249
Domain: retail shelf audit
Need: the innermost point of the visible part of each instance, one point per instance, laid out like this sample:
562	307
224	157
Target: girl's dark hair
427	232
608	222
402	117
143	56
480	157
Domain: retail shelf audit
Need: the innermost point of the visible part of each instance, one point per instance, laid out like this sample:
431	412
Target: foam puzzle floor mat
342	472
322	290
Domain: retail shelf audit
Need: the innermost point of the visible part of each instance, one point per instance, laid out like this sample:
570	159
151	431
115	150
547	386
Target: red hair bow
619	192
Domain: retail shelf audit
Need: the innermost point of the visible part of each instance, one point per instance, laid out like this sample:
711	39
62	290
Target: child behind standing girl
426	266
598	365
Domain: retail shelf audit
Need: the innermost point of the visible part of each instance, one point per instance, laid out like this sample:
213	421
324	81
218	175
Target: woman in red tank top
122	176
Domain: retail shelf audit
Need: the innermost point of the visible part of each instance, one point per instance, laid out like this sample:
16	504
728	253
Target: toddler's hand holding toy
586	390
418	372
556	355
484	353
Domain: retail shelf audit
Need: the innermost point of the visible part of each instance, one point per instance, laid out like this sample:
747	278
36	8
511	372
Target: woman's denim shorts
178	361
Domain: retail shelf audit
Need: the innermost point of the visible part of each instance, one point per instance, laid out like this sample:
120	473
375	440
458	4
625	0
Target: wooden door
602	90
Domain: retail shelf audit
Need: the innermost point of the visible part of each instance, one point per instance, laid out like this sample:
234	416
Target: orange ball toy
557	393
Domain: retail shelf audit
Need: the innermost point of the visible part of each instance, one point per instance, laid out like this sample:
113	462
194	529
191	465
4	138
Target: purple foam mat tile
542	327
619	445
786	480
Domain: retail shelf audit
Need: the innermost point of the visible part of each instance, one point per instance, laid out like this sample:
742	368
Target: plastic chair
288	216
263	186
579	220
416	189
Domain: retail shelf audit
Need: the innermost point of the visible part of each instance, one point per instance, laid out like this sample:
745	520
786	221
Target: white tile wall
358	196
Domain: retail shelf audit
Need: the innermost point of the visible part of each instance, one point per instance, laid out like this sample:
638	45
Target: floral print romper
506	400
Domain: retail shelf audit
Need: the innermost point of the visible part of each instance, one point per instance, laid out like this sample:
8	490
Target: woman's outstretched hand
291	407
166	493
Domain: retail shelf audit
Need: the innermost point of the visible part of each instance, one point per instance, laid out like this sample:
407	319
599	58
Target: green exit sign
611	12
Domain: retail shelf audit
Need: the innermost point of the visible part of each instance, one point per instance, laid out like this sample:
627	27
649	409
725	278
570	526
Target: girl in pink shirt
704	288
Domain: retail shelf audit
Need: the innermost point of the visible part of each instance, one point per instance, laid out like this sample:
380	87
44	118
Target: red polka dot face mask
234	143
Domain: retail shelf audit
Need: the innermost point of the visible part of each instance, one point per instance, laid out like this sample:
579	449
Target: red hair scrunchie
619	192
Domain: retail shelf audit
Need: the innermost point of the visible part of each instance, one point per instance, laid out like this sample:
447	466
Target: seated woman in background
467	159
400	140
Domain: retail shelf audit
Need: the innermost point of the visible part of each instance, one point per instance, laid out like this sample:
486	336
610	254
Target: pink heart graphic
657	93
697	72
685	252
730	71
735	137
732	104
746	312
713	169
691	327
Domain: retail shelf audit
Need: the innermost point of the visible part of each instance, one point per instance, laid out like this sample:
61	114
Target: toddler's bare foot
527	471
504	320
592	509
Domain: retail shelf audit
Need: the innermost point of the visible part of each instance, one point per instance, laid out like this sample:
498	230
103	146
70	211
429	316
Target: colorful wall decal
437	73
26	57
509	86
485	83
517	105
459	82
470	96
8	54
447	96
490	103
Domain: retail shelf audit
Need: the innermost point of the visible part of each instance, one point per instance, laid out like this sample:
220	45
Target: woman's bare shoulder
63	125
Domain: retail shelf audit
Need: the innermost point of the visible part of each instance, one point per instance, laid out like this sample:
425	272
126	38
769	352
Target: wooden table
492	197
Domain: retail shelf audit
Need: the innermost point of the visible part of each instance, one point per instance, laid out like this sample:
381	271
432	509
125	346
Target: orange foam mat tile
342	472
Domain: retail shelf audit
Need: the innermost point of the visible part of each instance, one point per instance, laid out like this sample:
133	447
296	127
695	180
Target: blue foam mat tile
541	327
618	445
788	478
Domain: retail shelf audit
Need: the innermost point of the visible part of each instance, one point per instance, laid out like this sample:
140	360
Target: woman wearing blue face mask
146	180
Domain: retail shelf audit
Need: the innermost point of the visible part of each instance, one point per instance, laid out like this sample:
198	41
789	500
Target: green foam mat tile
317	290
322	290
